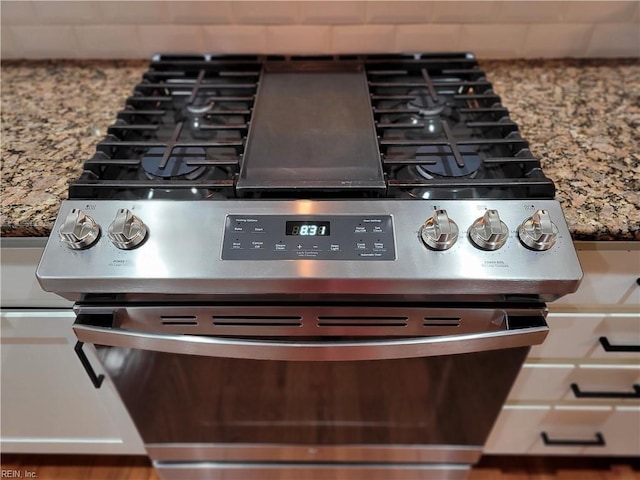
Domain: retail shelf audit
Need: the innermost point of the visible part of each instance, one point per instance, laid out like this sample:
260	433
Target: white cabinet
47	401
49	404
579	392
566	430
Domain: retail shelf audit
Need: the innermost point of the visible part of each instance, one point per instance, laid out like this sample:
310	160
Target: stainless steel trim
306	320
229	452
311	351
309	471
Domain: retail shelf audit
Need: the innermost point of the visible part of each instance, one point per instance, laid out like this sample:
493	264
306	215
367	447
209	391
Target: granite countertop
581	117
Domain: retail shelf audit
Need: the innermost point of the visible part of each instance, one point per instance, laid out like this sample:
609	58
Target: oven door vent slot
361	321
441	322
172	321
256	321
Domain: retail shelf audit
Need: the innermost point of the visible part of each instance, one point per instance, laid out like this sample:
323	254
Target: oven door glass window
422	401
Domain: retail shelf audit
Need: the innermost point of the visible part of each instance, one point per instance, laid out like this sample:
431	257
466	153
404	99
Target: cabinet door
599	382
578	335
49	404
570	430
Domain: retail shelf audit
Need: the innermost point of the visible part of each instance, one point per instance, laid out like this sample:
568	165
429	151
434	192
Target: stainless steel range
311	267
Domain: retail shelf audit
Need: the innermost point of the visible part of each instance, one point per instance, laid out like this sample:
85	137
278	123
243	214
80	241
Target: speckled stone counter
581	117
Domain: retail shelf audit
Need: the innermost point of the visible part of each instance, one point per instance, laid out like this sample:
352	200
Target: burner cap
176	165
445	162
425	104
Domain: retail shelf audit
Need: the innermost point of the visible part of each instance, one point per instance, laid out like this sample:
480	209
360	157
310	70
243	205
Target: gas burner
426	104
426	127
461	190
426	122
454	193
442	162
196	116
173	194
176	166
197	111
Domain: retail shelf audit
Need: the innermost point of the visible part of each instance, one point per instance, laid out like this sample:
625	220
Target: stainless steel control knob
127	231
439	232
489	232
79	230
538	232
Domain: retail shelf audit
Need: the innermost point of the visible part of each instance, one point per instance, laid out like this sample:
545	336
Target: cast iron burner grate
181	133
445	134
441	131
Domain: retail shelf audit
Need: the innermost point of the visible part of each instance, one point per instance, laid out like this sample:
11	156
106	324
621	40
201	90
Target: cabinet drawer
553	382
589	430
610	277
577	335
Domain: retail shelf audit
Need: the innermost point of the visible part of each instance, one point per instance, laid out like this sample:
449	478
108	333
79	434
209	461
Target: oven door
344	405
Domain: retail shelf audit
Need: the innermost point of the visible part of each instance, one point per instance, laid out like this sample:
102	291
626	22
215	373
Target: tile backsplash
491	29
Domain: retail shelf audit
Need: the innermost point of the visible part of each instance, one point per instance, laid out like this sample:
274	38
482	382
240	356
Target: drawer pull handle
582	394
598	441
604	341
95	379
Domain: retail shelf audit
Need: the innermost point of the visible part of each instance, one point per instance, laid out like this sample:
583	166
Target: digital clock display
308	229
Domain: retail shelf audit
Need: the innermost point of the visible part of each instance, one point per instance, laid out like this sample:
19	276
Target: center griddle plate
312	130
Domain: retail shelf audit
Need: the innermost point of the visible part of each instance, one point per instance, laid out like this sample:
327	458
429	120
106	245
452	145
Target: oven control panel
320	237
386	246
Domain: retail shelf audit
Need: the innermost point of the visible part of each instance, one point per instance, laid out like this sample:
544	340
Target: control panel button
79	230
127	231
439	232
489	232
538	232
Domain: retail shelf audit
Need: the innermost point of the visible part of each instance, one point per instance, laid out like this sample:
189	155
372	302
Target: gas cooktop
425	126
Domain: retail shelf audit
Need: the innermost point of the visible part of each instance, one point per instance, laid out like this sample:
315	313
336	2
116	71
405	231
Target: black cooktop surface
348	126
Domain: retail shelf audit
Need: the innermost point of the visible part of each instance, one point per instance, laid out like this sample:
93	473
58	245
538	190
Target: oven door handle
330	350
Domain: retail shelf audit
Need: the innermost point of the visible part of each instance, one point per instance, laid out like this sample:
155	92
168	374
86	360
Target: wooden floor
61	467
555	468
